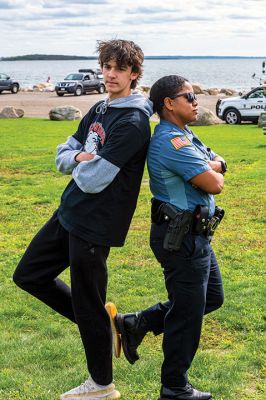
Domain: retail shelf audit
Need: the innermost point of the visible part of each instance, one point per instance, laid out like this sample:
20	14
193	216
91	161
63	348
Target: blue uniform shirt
174	157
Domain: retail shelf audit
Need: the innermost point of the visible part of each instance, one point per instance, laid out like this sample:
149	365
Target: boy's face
117	79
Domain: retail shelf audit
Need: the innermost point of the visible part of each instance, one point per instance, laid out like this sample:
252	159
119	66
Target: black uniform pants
194	285
51	251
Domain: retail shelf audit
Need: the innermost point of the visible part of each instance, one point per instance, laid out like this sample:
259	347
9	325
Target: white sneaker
89	390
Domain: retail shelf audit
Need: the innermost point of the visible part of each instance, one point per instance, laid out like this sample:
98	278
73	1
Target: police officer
184	176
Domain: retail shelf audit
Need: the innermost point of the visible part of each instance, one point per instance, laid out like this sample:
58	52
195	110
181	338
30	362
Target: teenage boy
106	158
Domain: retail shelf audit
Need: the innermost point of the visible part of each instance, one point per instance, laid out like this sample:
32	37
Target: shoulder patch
180	141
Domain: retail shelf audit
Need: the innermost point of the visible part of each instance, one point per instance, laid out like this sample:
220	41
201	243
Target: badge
180	141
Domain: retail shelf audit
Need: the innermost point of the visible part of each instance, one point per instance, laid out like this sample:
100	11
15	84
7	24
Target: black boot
132	328
183	393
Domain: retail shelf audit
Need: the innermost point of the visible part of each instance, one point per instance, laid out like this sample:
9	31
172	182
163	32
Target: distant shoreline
51	57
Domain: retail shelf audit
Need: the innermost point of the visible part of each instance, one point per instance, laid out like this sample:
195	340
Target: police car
247	107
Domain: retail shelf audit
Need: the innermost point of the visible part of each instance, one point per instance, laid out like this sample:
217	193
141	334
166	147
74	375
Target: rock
37	89
43	87
11	112
144	89
20	112
26	89
228	92
62	113
206	117
49	88
198	89
213	91
262	120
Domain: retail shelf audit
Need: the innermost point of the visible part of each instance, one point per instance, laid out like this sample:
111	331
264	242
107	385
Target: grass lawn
40	352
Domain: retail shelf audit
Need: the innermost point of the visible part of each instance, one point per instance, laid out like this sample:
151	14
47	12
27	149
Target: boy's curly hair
124	52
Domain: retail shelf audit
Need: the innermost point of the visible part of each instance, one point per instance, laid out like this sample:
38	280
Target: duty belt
181	222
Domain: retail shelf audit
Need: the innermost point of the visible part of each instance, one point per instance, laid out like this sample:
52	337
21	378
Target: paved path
38	104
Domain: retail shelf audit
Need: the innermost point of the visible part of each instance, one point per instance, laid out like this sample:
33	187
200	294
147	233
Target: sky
168	27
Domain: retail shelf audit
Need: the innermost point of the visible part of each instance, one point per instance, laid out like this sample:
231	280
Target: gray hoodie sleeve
95	175
65	156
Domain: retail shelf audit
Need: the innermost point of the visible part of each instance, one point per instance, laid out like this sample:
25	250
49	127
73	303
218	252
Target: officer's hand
215	166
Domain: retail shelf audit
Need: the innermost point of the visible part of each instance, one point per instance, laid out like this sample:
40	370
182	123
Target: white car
248	107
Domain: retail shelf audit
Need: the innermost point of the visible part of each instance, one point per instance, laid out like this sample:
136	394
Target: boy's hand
84	156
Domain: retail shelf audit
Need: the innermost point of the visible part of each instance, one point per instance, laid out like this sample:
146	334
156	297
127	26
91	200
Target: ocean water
221	73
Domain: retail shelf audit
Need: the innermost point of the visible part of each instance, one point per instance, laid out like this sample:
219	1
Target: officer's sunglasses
190	96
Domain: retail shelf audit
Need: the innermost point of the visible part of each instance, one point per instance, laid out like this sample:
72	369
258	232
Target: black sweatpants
51	251
194	285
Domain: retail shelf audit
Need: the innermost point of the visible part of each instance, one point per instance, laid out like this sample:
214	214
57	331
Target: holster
178	226
203	224
179	223
215	220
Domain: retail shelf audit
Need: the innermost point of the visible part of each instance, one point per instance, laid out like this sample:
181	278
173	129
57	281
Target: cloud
6	5
79	24
61	14
86	2
170	18
61	3
37	14
247	16
148	10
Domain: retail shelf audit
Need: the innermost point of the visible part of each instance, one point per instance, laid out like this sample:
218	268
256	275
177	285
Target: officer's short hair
125	53
167	86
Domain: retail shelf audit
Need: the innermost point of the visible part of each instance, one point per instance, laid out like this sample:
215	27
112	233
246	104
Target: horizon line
3	58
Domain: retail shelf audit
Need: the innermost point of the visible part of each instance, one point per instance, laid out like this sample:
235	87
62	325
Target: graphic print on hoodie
95	139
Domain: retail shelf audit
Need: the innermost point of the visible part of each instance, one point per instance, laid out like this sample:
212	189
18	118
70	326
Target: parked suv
6	83
80	83
247	107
